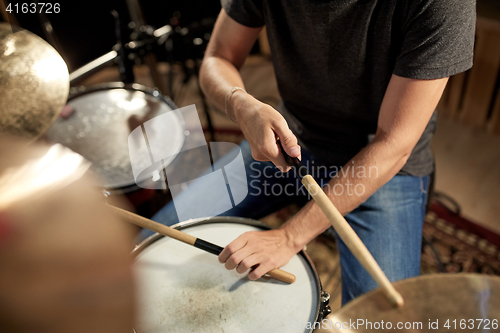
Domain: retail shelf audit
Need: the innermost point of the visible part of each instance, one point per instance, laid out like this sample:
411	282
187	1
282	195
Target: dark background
85	29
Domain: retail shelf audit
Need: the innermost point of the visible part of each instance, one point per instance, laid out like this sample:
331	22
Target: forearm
370	169
217	77
405	111
226	52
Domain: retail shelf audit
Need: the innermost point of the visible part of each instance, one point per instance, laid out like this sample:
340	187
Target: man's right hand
262	126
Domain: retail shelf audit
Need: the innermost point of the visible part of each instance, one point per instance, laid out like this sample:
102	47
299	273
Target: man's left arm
406	109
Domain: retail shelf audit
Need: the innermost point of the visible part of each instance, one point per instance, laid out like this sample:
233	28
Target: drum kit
66	262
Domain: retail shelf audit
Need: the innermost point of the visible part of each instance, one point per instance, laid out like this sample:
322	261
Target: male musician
360	80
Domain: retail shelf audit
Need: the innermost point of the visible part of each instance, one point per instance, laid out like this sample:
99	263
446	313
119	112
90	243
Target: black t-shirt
334	59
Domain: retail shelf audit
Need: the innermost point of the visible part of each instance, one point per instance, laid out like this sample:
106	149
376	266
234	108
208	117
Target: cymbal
438	303
34	83
66	263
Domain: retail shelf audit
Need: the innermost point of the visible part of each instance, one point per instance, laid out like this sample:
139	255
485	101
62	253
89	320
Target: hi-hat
433	303
34	83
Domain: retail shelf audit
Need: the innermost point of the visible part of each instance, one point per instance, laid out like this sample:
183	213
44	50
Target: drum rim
83	90
79	91
239	220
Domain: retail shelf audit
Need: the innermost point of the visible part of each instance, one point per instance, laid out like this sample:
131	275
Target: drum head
100	126
183	289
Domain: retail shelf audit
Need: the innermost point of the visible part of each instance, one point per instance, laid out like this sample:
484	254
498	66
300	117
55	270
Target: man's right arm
261	124
227	50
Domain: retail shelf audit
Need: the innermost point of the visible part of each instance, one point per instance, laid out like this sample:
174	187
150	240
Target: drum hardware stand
204	103
187	38
144	38
437	257
9	18
123	53
135	11
49	33
325	303
431	194
124	61
159	36
92	67
188	74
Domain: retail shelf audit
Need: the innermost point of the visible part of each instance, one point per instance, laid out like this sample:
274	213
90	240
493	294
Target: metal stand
135	11
205	104
49	33
144	38
9	18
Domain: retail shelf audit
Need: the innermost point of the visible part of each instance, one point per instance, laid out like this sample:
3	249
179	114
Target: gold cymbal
433	303
34	83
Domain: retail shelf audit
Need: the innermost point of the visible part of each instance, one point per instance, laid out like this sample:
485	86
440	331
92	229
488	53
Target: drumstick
344	230
164	230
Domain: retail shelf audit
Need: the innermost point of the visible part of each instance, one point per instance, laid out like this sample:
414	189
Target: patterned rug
453	244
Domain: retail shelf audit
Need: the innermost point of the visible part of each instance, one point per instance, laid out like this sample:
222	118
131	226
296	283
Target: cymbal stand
140	28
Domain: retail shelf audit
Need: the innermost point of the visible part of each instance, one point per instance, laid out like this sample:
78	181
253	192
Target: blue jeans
389	223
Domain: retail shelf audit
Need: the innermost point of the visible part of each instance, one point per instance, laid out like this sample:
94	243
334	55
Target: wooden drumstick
164	230
344	230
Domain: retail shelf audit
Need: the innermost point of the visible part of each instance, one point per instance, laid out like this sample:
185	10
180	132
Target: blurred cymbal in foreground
66	264
34	83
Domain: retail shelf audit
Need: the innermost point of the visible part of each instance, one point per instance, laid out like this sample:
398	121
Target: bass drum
183	289
99	127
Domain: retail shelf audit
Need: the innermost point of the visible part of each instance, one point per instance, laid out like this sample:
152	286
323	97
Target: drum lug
325	307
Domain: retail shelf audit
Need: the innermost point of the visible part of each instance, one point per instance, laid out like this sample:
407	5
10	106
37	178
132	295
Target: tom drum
100	125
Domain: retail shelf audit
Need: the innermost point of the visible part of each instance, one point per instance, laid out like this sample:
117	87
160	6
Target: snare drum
183	289
103	117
